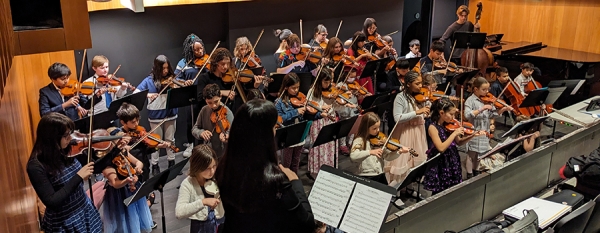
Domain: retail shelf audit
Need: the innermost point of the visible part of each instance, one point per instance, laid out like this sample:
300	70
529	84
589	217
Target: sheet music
159	103
329	196
366	211
577	87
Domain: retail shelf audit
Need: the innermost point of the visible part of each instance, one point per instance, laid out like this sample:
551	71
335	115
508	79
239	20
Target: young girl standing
410	129
479	114
116	216
448	171
198	197
325	153
290	115
157	111
358	43
349	109
370	161
58	179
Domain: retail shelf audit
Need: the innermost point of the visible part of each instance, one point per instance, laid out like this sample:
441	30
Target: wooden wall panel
98	6
19	116
569	24
6	44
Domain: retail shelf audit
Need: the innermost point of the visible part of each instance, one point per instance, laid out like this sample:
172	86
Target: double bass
477	58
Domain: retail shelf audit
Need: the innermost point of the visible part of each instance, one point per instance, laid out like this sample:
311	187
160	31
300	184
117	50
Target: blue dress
119	218
77	214
447	172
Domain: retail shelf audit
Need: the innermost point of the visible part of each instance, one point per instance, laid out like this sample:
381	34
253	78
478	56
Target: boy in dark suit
51	99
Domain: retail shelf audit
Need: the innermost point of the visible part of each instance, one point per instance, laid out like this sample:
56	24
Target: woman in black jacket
259	195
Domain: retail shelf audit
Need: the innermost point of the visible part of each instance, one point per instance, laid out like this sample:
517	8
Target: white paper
159	103
577	87
329	196
547	211
366	211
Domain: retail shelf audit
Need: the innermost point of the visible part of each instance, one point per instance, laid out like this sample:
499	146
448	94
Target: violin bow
339	26
301	39
252	50
147	134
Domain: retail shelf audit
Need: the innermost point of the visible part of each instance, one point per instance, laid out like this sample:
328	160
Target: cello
477	58
514	96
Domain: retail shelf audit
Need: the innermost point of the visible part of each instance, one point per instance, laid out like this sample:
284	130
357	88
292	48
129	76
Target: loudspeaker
87	71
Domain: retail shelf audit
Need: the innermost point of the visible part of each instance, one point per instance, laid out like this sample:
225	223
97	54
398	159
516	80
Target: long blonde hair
239	43
368	120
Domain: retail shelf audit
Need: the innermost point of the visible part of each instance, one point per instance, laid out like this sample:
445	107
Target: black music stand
524	126
469	40
276	84
137	99
573	86
102	120
334	131
535	98
182	97
412	62
372	68
377	99
503	146
414	175
157	182
290	135
306	81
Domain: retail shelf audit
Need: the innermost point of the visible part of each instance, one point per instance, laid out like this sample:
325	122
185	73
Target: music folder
349	202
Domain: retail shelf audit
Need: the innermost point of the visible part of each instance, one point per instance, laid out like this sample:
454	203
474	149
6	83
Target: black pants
190	123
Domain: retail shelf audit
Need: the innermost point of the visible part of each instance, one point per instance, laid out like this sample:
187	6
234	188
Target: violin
201	61
358	88
425	95
252	60
124	168
331	92
85	88
362	51
469	128
219	118
392	145
172	82
489	98
279	122
101	140
152	140
298	100
306	54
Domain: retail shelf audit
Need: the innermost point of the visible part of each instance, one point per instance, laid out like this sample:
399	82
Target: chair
575	221
593	225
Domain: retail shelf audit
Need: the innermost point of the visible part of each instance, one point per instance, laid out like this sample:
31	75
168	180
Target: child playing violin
209	117
369	161
370	32
349	109
287	61
194	57
479	114
122	171
325	153
334	48
100	67
396	76
319	40
410	130
290	115
58	179
448	171
362	56
425	64
198	197
157	111
52	99
242	50
221	61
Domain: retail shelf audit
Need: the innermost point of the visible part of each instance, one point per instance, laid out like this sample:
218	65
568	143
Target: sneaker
188	151
155	169
171	163
154	225
304	151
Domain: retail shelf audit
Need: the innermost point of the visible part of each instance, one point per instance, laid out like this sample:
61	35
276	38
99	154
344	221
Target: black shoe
469	175
154	225
310	176
171	163
475	173
155	169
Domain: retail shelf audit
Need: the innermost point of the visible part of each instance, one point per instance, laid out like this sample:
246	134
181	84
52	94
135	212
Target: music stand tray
182	97
462	78
524	126
502	146
102	120
290	135
377	99
412	62
470	40
306	81
334	131
553	94
415	173
535	98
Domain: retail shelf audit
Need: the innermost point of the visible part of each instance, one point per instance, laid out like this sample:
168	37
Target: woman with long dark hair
58	179
258	195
